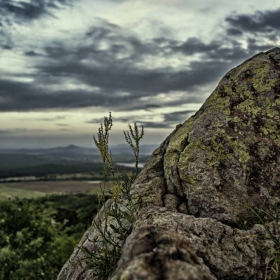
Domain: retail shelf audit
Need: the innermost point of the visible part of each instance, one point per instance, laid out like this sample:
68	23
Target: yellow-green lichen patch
248	107
263	149
216	103
244	156
269	129
176	145
273	114
196	153
277	140
259	74
178	140
237	119
261	82
152	192
242	91
225	146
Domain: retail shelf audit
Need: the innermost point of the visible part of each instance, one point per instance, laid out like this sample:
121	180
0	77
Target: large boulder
203	177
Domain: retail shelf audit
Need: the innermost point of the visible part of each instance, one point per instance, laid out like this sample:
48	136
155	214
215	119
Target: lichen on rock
194	187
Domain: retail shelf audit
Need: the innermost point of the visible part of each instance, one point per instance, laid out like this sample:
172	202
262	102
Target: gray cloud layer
32	9
110	72
169	119
260	22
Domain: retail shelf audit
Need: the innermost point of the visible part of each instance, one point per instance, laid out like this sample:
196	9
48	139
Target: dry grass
40	188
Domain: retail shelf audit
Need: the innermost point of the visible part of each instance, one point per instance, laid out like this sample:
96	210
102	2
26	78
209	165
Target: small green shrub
32	243
37	236
114	221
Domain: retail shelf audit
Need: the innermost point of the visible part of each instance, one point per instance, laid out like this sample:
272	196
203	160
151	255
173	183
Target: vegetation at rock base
267	214
113	223
38	235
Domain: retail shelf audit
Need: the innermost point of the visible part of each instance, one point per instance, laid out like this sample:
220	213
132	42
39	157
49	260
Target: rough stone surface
222	160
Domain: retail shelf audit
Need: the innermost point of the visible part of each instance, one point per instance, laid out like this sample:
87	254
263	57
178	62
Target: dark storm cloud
120	44
194	45
261	21
6	47
31	53
214	50
110	71
177	117
156	125
146	107
234	53
14	13
19	96
169	119
234	32
255	45
29	10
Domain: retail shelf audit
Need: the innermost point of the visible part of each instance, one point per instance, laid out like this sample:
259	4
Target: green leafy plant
33	243
114	220
37	235
268	215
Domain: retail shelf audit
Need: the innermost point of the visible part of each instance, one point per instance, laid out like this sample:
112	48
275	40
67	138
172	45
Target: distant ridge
116	149
69	147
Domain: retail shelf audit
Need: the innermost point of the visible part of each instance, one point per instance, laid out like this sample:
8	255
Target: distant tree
32	243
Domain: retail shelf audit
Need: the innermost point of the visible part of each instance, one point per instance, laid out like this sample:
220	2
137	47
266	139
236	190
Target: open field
9	193
40	188
92	176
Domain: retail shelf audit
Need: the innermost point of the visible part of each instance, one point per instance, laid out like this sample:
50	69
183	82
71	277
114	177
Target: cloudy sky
64	64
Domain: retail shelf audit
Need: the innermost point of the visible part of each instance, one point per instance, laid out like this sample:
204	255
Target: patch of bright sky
16	120
176	62
76	119
64	84
17	78
15	63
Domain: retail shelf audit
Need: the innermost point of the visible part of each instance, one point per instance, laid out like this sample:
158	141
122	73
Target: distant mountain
73	149
70	147
126	149
23	162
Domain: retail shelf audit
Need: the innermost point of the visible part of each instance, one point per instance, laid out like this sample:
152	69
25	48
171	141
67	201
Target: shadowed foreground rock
208	171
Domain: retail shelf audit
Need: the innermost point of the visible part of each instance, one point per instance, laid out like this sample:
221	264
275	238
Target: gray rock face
221	161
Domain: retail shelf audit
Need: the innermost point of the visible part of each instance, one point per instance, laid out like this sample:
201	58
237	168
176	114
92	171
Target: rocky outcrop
196	185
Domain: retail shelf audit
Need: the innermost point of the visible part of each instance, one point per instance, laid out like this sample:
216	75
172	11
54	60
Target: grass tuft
115	218
268	215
